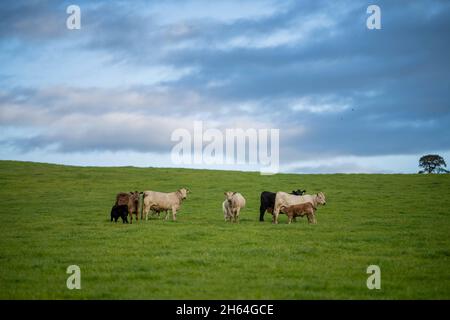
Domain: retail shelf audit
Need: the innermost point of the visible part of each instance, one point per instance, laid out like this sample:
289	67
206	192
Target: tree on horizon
432	163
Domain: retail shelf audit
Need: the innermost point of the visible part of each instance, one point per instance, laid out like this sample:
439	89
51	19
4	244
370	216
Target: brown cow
300	210
131	200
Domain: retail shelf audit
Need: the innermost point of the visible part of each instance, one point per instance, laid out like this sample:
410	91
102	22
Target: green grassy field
54	216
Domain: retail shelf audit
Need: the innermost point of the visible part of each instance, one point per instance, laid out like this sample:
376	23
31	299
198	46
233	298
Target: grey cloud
32	20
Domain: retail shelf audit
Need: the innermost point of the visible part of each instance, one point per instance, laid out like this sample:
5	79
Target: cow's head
229	195
184	192
320	198
134	194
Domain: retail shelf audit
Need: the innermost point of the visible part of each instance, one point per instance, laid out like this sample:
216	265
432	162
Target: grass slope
54	216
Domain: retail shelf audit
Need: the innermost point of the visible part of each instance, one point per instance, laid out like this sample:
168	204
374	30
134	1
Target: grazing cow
131	200
162	201
232	206
300	210
119	211
286	200
268	201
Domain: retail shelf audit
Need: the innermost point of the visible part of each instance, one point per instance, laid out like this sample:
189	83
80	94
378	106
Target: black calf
119	211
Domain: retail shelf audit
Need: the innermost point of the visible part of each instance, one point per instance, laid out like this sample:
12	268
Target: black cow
268	201
119	211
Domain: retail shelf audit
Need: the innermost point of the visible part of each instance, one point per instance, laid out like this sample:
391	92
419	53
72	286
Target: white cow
286	200
232	206
162	201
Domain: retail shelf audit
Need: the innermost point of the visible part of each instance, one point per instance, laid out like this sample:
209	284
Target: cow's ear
234	193
225	193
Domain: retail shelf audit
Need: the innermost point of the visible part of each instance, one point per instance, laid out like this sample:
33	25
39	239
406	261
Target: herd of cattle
294	204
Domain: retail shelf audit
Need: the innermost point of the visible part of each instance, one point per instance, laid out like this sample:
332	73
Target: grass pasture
54	216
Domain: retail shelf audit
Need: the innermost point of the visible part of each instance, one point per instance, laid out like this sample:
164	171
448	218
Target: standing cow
232	206
268	201
119	211
284	199
131	200
300	210
162	201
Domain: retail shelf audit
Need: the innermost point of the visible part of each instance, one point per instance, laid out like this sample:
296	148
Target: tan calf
300	210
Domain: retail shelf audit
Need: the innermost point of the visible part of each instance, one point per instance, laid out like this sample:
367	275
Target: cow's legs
146	211
276	212
238	211
174	214
229	216
262	210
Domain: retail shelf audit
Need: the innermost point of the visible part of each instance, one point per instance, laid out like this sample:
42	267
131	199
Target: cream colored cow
162	201
232	206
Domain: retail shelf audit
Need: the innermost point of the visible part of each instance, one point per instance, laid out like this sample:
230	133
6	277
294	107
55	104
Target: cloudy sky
345	98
